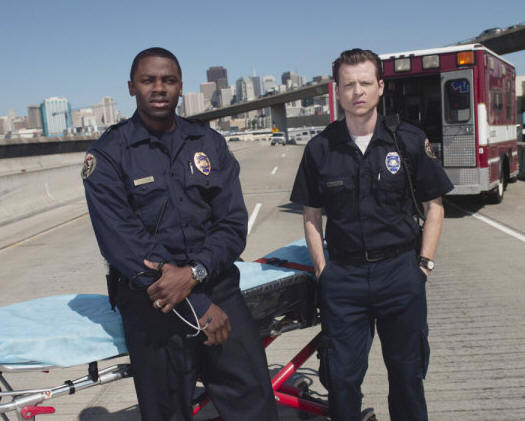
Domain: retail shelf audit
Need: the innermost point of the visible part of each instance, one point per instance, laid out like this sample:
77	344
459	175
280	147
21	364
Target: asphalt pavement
476	298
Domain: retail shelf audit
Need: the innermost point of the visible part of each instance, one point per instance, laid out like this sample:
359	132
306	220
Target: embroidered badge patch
90	162
392	162
202	162
428	150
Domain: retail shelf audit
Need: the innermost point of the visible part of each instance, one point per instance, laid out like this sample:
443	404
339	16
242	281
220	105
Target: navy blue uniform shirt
366	197
173	197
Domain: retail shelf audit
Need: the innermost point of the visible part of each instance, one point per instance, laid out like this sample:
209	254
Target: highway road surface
476	297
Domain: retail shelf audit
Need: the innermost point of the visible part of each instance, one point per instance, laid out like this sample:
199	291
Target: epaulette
114	126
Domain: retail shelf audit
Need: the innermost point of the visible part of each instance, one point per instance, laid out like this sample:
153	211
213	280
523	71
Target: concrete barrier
24	194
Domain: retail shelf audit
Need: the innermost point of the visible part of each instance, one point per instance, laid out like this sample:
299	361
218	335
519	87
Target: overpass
275	102
501	41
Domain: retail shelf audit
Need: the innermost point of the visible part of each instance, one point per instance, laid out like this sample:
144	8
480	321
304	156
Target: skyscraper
244	89
109	111
56	116
256	81
208	89
193	103
219	75
269	84
34	117
292	80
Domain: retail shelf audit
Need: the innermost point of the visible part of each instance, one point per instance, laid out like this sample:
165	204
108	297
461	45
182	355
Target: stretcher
71	330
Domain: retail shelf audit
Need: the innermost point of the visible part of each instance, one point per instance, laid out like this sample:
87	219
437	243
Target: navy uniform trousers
353	298
166	363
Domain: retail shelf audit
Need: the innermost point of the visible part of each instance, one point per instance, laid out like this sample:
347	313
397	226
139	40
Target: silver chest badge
202	162
392	162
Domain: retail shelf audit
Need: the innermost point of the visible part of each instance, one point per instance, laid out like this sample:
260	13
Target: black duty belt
371	256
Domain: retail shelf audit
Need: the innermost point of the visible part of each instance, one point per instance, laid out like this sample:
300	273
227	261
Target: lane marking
46	186
274	170
253	216
43	232
491	222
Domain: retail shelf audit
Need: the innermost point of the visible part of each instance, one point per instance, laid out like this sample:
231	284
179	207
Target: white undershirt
362	141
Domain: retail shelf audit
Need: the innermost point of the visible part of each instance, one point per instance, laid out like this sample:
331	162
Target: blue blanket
68	330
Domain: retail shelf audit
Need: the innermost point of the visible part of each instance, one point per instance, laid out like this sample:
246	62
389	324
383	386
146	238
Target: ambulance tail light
483	157
431	62
402	64
465	57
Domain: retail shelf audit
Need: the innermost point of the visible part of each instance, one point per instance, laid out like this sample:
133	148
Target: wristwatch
199	272
426	263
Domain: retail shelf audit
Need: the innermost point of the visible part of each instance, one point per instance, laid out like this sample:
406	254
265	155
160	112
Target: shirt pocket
149	200
339	196
391	189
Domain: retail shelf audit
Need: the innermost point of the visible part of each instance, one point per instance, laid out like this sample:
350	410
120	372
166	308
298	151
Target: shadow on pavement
98	413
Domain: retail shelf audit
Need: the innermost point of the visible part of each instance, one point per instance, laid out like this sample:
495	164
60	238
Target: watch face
430	265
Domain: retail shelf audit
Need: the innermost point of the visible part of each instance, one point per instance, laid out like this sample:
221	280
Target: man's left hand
173	286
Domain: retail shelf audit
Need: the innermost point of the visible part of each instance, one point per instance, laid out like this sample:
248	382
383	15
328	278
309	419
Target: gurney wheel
368	415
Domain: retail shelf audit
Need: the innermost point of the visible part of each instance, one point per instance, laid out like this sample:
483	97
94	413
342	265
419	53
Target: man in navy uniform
376	273
167	209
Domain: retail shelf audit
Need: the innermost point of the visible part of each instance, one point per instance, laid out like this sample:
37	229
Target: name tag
335	183
145	180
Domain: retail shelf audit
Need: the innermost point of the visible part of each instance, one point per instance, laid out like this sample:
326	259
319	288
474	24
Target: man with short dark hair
376	272
167	209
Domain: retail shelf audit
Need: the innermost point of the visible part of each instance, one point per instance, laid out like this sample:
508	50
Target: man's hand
425	271
319	270
173	286
218	325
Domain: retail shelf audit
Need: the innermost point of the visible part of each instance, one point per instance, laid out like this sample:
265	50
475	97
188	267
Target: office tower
292	80
219	75
56	116
3	125
244	89
225	97
207	90
193	103
109	113
256	81
34	117
269	84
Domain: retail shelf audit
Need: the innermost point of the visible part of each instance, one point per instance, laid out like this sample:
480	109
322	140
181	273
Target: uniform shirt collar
380	132
183	128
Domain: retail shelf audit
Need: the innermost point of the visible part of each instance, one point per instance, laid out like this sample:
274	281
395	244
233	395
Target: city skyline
83	54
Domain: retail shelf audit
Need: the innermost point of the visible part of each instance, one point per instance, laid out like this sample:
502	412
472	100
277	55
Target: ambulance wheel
368	415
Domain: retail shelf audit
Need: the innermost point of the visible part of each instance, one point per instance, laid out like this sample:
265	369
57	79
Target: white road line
46	186
274	170
492	223
253	216
283	155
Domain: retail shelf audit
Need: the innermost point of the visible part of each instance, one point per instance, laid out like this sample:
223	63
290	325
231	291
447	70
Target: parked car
234	139
278	138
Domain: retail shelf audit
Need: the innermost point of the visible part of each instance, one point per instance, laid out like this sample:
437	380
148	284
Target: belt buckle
371	260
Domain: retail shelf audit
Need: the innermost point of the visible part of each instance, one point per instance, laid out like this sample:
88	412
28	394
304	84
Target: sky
82	50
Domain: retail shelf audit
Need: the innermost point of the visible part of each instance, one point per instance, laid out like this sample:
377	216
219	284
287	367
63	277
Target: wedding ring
157	304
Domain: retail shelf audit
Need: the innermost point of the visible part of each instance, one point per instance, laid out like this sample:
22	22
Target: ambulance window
497	100
509	101
457	101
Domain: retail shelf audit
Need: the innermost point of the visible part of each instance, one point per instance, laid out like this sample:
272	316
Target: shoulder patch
428	149
90	162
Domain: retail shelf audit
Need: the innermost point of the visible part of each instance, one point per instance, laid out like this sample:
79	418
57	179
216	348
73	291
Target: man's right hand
218	325
319	271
